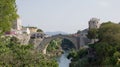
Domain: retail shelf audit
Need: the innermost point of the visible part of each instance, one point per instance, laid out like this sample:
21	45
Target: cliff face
35	42
23	39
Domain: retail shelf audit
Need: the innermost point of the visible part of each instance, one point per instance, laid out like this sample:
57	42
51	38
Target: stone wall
23	38
35	42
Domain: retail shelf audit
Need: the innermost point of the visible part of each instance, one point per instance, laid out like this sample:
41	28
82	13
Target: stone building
17	25
94	23
16	28
32	29
25	30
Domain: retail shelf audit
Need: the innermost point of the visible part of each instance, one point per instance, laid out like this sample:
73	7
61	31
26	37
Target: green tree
103	50
106	51
54	48
93	34
116	55
109	32
8	14
107	48
16	55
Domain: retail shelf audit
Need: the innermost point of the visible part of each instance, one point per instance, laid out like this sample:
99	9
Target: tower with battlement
94	23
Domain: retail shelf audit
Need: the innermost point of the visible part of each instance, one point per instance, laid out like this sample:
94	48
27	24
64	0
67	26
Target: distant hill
55	33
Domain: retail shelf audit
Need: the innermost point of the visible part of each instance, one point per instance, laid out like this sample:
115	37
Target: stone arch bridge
44	43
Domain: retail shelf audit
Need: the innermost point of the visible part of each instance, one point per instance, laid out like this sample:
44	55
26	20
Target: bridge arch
44	44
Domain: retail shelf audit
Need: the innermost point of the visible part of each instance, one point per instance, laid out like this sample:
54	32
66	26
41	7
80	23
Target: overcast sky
66	15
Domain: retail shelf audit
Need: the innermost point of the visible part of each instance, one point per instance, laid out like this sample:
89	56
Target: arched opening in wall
58	46
67	45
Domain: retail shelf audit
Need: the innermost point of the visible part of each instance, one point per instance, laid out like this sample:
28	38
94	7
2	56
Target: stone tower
94	23
17	25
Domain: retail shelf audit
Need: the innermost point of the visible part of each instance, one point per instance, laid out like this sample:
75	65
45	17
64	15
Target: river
63	61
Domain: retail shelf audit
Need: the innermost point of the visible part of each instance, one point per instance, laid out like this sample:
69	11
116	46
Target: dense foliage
105	52
79	58
16	55
13	54
8	14
54	47
92	33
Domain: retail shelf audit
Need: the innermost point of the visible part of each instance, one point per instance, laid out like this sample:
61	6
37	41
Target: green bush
16	55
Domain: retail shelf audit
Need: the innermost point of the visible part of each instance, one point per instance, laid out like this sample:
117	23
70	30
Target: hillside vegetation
104	53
